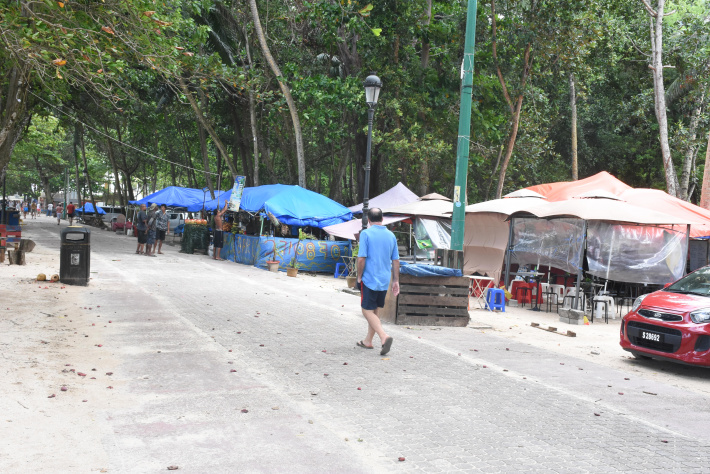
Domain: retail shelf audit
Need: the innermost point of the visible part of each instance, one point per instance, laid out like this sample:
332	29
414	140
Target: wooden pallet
433	301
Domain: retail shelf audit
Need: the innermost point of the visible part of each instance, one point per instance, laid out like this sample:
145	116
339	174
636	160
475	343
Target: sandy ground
49	337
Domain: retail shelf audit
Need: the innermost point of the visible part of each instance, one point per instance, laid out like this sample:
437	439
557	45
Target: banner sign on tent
240	248
311	255
236	197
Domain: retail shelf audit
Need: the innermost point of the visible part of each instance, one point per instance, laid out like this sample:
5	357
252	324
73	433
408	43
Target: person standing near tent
141	227
218	239
152	230
163	226
70	212
377	262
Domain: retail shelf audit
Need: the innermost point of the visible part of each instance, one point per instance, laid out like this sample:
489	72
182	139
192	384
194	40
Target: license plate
651	336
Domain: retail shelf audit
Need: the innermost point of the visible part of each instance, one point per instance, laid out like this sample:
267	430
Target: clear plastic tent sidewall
636	253
556	242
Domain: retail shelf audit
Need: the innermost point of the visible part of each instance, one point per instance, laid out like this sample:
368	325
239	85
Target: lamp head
372	84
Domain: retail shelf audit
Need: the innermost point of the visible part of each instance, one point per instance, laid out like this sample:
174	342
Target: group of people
33	208
152	226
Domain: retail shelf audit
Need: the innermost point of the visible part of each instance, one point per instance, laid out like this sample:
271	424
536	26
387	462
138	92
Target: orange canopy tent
652	199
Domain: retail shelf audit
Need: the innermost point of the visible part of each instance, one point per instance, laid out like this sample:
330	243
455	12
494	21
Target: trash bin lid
75	233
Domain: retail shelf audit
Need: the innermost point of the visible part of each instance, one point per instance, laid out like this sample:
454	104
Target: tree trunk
240	145
14	116
705	190
573	125
515	108
76	165
495	169
205	158
203	121
112	159
426	45
80	131
336	189
659	95
254	137
44	179
510	146
300	158
692	149
191	178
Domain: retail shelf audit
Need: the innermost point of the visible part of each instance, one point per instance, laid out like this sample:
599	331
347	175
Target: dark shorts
371	299
160	235
151	237
218	239
142	236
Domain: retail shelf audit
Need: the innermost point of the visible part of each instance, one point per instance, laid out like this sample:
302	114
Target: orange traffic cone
586	321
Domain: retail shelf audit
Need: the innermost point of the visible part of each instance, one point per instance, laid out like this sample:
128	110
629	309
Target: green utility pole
459	216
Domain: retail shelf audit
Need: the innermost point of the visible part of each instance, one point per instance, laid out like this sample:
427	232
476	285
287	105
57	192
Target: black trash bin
75	256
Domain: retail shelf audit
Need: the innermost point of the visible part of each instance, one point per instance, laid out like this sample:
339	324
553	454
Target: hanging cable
119	141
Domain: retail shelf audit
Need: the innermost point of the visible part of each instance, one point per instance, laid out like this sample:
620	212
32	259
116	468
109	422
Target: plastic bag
210	250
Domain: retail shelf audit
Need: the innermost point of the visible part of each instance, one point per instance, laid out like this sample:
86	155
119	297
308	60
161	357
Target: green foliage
114	65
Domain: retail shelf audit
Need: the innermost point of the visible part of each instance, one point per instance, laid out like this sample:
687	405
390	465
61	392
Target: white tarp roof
347	230
395	196
435	208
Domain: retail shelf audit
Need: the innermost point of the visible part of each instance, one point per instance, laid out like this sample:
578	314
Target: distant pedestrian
60	209
218	239
377	262
70	212
162	227
50	208
152	229
142	228
25	210
33	210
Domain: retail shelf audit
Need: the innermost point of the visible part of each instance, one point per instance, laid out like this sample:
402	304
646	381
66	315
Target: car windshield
697	283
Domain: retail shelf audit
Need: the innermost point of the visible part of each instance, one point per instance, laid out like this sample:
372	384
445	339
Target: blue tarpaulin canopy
291	205
88	207
175	196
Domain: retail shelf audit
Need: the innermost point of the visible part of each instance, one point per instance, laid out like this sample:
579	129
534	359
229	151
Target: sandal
362	344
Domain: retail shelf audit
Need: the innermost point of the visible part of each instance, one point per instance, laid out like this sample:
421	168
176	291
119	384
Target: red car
672	323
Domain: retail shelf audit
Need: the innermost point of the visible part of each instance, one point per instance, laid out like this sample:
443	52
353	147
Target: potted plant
273	264
292	269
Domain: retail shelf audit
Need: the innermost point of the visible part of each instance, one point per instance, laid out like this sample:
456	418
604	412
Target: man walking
218	239
60	209
378	260
141	227
70	212
163	227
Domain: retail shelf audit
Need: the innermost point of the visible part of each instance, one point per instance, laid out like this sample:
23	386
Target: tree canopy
129	96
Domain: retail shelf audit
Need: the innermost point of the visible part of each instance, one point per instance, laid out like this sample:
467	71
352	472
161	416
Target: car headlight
638	301
701	316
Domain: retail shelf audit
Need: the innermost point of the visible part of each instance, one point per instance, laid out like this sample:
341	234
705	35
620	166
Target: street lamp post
372	84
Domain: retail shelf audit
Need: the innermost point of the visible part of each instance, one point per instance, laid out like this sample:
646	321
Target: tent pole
580	270
507	252
687	249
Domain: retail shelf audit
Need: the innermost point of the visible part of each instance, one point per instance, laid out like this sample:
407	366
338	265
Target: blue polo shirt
379	246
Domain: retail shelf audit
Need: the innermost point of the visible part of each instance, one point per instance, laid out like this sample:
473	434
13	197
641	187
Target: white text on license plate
650	336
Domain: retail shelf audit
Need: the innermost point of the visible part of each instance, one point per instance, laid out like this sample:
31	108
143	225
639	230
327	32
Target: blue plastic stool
340	270
495	299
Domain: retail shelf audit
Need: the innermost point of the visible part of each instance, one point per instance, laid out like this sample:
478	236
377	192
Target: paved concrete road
227	368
